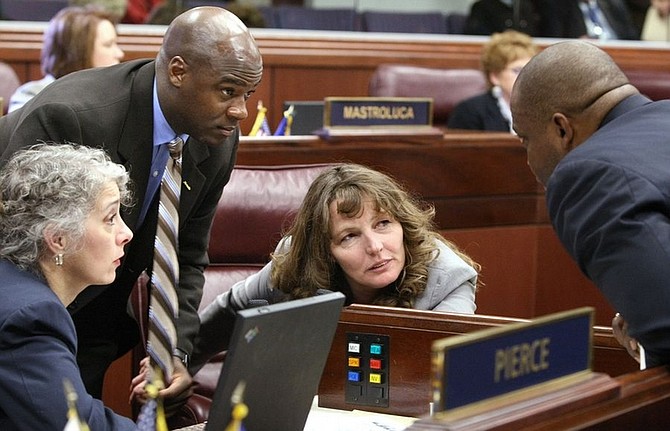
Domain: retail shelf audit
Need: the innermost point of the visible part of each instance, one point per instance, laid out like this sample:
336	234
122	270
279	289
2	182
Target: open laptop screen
275	360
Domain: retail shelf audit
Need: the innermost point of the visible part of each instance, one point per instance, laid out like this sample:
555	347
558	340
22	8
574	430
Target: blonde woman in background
501	61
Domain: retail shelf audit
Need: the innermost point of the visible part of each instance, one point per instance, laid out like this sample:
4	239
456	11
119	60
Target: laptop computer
307	116
274	363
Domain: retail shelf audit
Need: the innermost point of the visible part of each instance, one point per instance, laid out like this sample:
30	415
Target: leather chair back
31	10
257	204
307	18
652	83
447	87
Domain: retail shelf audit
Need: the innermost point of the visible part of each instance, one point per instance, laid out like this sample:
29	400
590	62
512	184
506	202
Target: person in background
637	9
166	10
494	16
250	15
197	89
589	19
116	8
138	11
657	22
360	233
61	231
502	58
602	151
76	38
127	11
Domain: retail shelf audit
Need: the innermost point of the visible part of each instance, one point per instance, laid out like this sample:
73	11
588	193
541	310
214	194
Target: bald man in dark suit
196	88
602	151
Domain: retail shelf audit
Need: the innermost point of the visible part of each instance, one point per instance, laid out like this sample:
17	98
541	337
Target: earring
496	91
58	259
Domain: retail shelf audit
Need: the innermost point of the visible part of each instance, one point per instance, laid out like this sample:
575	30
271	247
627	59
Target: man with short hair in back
602	150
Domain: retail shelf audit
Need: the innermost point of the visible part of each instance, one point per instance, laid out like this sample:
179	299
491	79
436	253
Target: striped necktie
163	305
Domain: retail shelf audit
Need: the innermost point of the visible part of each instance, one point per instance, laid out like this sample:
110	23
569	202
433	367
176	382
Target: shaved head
210	35
567	77
207	68
561	97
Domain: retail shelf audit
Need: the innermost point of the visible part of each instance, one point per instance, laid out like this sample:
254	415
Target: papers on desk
324	419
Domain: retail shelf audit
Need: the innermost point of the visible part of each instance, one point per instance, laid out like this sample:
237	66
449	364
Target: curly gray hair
51	186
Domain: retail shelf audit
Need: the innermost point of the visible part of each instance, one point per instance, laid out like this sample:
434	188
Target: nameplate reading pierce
497	361
360	112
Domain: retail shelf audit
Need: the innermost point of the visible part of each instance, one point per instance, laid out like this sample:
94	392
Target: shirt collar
162	131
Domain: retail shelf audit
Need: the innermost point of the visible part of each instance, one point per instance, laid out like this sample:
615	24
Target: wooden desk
635	401
411	334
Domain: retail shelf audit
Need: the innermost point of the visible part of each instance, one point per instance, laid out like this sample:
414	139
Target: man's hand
620	329
180	389
137	392
174	396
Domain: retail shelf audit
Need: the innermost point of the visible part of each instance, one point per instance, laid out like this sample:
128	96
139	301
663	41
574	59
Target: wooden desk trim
333	49
642	403
410	376
342	62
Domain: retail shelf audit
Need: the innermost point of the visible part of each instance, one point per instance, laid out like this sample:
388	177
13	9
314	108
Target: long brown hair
69	39
308	265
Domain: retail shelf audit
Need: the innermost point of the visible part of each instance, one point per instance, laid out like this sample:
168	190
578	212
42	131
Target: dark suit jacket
609	201
490	16
112	108
564	19
480	112
39	344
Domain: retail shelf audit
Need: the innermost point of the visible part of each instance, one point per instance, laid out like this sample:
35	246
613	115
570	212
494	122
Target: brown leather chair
654	84
447	87
257	204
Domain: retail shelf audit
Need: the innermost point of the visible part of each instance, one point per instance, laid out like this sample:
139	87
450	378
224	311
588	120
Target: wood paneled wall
311	65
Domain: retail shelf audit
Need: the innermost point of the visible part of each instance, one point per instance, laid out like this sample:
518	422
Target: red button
376	364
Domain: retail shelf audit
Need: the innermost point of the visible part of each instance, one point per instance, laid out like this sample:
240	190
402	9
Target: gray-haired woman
60	231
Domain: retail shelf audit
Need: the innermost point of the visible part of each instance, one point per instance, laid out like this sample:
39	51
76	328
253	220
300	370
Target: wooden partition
311	65
411	334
